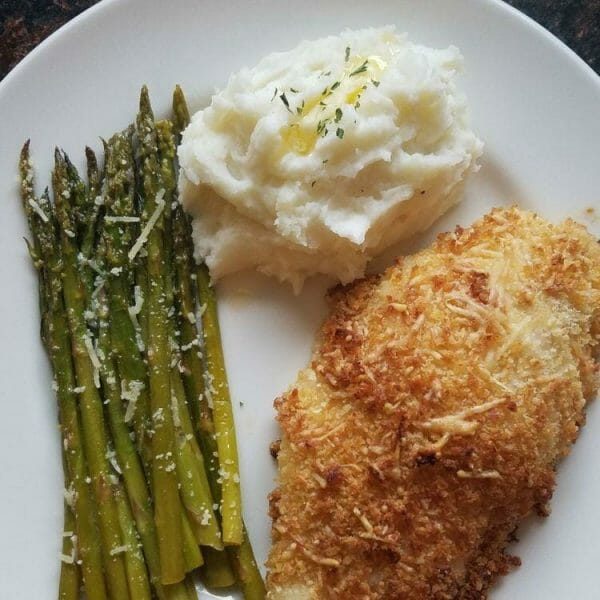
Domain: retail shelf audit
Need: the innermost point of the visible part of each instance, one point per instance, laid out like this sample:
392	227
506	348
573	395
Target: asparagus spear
41	220
167	512
242	556
218	389
90	403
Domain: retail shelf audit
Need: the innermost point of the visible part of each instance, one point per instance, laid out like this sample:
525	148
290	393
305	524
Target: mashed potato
319	158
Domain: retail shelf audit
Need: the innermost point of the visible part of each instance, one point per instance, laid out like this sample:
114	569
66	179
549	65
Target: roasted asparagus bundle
145	445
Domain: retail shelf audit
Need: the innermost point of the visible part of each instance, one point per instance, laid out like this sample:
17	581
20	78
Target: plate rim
586	76
20	69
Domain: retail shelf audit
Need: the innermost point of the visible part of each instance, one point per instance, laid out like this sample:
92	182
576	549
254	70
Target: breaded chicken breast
439	399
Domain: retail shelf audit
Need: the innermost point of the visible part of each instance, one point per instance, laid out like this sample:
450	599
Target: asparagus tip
25	149
145	106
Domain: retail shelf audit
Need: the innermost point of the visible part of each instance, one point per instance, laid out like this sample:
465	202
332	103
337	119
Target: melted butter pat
301	135
295	138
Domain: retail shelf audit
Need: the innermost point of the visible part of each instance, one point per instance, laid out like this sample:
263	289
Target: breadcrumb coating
439	399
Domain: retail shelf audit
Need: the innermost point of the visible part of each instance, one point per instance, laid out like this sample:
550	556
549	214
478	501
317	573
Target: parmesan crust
439	400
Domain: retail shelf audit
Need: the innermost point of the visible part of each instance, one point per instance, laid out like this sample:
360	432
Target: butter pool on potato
319	158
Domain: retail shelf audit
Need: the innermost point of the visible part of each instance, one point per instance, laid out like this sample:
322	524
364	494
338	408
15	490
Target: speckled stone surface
25	23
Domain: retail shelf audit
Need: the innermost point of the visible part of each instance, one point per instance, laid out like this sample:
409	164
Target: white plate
534	103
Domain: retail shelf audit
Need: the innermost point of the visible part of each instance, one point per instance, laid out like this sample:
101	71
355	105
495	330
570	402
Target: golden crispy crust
439	399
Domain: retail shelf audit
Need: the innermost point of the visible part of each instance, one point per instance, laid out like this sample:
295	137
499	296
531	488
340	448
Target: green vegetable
46	256
164	477
216	573
119	301
120	188
89	400
217	387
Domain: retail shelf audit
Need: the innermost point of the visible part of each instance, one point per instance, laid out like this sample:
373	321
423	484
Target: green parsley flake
322	127
284	99
360	69
347	54
338	114
339	132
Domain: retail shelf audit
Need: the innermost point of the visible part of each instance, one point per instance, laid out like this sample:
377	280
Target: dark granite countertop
25	23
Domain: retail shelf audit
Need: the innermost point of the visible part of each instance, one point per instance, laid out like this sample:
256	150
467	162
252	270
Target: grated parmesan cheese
114	219
119	550
38	210
130	391
143	237
89	346
68	559
457	423
175	411
112	459
491	474
70	495
134	311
